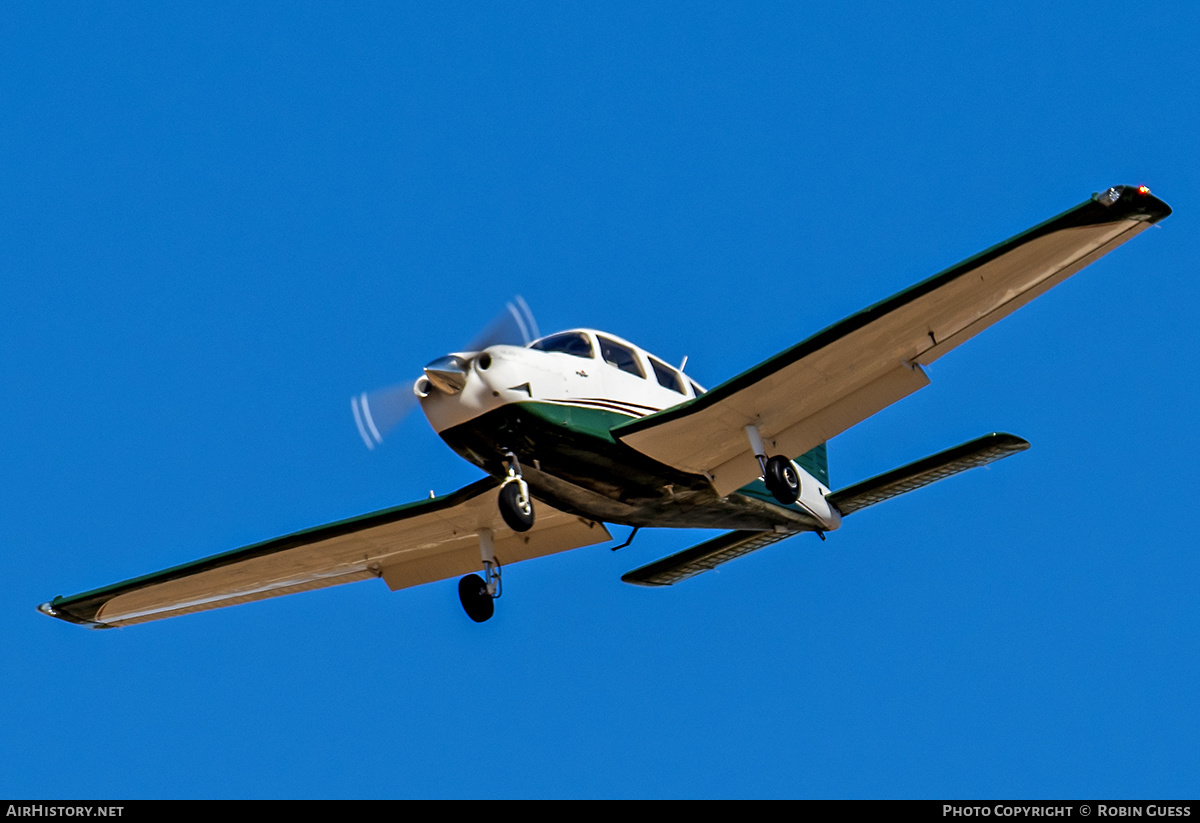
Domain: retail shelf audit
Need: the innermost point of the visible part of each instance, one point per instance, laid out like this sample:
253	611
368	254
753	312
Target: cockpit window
569	342
667	377
620	356
696	390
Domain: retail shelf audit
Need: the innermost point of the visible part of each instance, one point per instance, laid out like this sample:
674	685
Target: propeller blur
378	412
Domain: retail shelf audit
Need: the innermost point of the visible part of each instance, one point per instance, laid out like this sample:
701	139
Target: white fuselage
512	374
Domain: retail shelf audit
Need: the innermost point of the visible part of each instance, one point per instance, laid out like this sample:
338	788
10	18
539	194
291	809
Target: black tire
782	480
476	602
519	518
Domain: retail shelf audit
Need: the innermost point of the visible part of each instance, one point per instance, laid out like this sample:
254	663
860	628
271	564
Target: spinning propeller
377	412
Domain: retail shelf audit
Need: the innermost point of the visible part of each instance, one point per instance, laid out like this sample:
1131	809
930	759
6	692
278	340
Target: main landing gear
781	479
778	472
476	601
516	506
478	594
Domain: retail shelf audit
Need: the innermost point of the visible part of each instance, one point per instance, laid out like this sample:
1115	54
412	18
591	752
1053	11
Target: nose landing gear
516	506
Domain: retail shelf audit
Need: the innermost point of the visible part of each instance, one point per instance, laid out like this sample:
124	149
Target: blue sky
218	225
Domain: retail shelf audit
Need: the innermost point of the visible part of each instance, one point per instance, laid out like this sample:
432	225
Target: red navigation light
1143	189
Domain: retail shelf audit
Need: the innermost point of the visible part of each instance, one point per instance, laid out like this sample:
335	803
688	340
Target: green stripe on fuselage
598	423
571	461
587	421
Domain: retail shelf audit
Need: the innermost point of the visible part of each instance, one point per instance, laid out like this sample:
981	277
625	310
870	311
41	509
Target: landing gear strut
516	506
478	594
778	472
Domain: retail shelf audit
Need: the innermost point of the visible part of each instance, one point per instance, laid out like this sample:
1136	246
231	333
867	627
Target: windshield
620	356
569	342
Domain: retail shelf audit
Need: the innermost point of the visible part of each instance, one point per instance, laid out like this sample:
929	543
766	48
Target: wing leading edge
847	372
406	546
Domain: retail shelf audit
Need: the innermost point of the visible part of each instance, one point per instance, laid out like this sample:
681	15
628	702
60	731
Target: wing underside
853	369
405	546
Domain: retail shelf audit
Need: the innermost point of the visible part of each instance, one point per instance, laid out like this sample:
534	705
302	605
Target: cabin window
570	342
620	356
667	377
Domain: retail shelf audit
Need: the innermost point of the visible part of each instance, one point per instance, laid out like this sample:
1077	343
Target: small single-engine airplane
582	428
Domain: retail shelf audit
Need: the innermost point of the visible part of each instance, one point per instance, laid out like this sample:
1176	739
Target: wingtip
1134	201
48	609
1012	441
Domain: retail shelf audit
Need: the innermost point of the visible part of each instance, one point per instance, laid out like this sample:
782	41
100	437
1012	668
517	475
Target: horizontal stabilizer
708	555
978	452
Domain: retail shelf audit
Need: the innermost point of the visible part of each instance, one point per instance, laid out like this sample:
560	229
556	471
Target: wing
702	558
979	452
407	545
853	369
